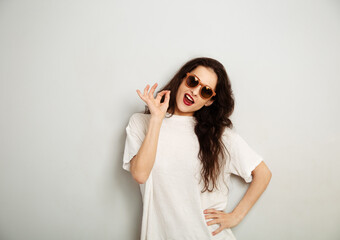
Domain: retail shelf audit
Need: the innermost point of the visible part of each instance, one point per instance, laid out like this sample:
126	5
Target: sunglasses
191	81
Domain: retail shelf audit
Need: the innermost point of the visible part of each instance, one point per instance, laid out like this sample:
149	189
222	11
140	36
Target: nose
196	90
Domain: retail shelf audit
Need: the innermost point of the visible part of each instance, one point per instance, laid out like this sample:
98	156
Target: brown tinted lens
206	92
191	81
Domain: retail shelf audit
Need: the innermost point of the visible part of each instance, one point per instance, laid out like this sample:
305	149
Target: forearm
257	187
142	163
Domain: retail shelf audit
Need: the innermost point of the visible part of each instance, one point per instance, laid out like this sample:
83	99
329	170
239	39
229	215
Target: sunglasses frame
199	83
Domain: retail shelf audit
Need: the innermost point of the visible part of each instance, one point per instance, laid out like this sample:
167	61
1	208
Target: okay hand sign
157	108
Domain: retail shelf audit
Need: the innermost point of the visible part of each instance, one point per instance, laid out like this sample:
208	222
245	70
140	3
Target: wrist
237	215
156	119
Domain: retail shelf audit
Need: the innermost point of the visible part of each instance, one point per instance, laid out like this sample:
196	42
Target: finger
152	90
211	216
213	222
146	89
140	94
218	230
160	95
211	210
167	97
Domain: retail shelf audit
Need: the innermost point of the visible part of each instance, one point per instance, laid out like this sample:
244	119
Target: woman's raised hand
157	108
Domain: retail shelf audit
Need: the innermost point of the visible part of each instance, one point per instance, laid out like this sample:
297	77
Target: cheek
199	104
180	92
178	96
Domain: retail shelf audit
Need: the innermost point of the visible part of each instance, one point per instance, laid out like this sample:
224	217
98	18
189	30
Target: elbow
269	176
139	175
140	178
265	174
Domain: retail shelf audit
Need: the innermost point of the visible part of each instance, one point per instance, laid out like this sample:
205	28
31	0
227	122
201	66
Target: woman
182	150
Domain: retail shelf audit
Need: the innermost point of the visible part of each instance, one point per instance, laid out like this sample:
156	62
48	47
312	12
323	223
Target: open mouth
188	100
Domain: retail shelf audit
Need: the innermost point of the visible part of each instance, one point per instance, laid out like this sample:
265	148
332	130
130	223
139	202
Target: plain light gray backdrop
69	72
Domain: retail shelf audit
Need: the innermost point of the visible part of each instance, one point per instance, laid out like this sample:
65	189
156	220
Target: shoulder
229	133
230	136
139	117
139	121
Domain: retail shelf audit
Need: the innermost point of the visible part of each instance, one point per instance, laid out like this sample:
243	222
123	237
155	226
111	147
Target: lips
193	101
186	101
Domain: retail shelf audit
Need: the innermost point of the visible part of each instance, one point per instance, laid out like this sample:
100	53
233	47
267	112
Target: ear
208	103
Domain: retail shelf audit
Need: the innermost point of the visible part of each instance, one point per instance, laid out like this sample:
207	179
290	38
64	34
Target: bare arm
261	178
142	163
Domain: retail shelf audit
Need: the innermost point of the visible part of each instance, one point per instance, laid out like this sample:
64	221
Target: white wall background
69	72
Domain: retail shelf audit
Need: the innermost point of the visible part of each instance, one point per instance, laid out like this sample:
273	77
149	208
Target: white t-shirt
173	204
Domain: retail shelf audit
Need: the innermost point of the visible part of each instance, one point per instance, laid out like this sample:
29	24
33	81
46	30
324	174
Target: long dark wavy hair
210	120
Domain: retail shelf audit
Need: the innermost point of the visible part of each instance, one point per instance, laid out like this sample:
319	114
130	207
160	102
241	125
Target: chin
186	109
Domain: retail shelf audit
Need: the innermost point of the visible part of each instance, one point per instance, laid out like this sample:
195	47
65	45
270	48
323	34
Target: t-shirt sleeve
243	158
135	135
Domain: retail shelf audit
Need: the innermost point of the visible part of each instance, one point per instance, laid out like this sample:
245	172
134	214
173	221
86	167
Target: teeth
188	97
